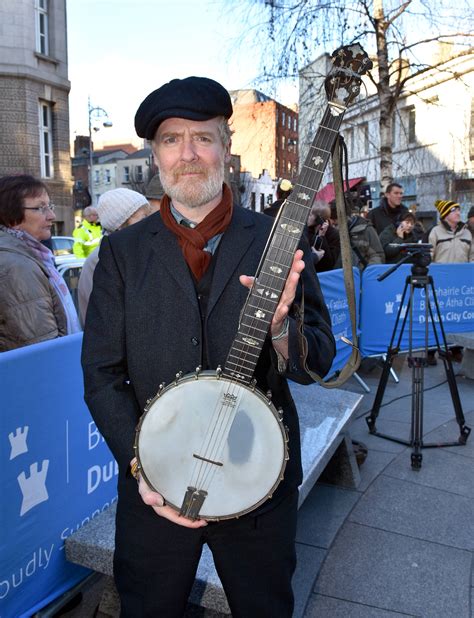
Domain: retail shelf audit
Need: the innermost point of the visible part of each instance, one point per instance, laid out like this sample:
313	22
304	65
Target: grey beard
194	194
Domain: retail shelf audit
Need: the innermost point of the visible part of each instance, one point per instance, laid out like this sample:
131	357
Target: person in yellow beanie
451	241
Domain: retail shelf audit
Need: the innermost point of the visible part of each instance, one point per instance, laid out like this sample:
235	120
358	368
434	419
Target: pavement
402	543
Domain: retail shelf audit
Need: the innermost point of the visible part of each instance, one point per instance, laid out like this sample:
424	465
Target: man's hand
157	503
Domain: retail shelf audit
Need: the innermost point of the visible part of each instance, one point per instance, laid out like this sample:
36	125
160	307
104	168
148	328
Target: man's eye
203	138
170	139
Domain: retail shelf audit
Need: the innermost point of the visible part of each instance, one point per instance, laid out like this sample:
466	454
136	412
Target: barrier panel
380	302
56	472
332	285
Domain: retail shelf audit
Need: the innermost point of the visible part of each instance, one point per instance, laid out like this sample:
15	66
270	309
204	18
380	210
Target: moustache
189	169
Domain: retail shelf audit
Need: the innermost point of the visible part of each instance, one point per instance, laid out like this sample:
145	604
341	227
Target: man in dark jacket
168	297
390	210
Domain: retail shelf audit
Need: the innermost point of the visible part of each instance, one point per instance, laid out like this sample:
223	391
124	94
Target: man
451	240
167	296
365	243
323	237
390	210
470	221
452	243
88	234
117	209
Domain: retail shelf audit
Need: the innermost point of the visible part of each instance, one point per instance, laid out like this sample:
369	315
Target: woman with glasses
35	303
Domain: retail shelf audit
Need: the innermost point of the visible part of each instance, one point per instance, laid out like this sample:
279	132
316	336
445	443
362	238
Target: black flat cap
194	98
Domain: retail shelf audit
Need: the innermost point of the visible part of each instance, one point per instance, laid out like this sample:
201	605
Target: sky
121	50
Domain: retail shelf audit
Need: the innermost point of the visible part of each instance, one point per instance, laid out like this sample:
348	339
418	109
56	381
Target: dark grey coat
143	326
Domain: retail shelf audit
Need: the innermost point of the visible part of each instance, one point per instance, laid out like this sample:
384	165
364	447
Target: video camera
416	253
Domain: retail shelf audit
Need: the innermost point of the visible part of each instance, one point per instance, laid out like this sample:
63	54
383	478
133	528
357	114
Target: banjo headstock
343	81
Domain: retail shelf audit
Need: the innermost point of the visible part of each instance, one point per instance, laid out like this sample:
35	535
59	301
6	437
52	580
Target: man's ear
227	152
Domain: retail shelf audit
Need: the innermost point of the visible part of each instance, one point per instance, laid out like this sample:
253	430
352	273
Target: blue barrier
57	472
380	301
332	285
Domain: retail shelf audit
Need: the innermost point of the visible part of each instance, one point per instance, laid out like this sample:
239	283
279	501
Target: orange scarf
193	240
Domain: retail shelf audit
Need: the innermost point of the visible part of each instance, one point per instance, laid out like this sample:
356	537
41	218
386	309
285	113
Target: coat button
194	340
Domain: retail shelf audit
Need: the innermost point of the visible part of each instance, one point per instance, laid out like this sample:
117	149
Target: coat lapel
164	244
233	246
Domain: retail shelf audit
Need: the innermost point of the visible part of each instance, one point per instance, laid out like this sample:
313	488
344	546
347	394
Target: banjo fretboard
276	262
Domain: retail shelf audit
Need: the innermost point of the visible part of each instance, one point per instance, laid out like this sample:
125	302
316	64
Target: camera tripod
419	279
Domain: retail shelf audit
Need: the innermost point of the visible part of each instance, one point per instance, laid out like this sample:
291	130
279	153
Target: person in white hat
117	209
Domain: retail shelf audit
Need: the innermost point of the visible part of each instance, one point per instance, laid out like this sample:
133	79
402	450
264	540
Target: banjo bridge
216	463
192	503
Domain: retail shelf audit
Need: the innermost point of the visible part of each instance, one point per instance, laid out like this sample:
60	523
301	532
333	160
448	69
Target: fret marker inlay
276	269
250	341
317	161
259	314
292	229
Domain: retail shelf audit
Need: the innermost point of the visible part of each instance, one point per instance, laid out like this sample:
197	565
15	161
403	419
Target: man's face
190	157
394	197
91	217
454	217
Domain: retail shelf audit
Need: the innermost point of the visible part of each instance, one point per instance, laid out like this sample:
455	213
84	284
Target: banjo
235	451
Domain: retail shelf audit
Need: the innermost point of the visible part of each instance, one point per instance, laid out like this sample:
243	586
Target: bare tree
398	33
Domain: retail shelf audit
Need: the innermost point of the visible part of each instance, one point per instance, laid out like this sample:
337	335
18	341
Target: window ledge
47	58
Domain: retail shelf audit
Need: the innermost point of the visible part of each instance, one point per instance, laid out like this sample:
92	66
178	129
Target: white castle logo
388	307
33	487
18	441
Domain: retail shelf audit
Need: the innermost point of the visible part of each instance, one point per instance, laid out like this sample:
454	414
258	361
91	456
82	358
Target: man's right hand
157	502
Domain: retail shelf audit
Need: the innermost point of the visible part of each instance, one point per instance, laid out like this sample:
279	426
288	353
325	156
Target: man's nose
188	152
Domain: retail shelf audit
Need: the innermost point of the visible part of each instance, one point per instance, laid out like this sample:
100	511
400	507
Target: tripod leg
417	411
448	366
388	362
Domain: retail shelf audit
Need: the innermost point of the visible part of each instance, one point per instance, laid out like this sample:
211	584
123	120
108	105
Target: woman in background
35	303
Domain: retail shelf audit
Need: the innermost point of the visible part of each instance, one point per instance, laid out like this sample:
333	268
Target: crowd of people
377	235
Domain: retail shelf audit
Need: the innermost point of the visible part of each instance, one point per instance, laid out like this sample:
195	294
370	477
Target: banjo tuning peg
178	377
198	371
219	372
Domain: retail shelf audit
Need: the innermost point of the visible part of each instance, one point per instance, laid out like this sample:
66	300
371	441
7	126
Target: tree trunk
385	96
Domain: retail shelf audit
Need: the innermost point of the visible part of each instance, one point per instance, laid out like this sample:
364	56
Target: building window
126	174
262	202
46	139
365	136
295	128
96	176
289	167
283	119
139	175
283	142
42	35
107	176
252	200
289	121
411	126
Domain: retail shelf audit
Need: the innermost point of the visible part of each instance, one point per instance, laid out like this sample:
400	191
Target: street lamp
98	113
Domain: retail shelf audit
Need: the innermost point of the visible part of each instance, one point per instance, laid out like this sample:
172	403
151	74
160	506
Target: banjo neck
262	301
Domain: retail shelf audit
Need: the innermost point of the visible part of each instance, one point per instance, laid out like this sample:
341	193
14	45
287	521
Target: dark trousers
155	561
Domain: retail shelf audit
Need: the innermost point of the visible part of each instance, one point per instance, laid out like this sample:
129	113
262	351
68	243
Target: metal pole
89	109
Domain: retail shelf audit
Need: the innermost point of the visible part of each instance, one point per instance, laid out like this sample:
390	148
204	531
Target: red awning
327	194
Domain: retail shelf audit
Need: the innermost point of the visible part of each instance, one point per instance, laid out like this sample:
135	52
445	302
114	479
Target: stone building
265	134
433	131
34	88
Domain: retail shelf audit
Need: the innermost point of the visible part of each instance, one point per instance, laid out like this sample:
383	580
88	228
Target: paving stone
309	561
359	431
397	573
323	513
401	506
442	468
374	465
320	606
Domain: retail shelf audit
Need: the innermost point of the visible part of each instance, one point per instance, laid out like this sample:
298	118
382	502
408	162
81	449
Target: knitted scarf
193	240
45	256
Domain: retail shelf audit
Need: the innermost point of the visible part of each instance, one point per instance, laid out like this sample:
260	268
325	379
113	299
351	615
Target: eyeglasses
42	209
454	208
